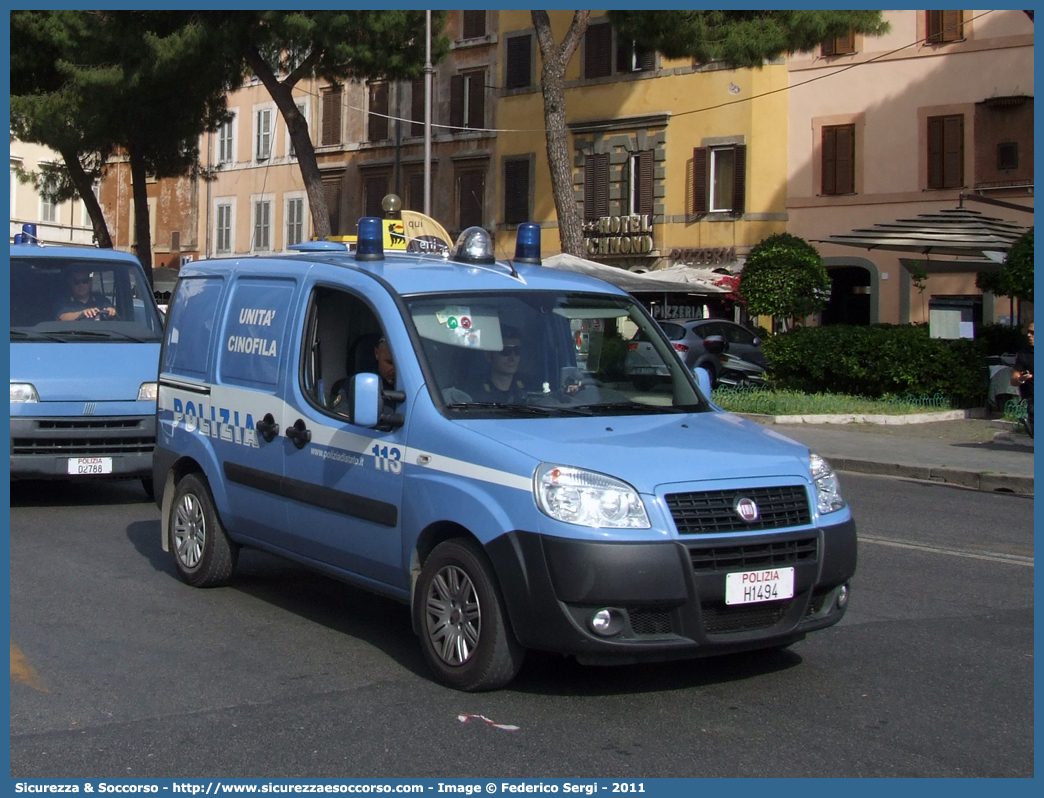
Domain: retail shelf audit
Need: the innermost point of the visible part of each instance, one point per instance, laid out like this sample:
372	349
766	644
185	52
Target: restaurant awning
632	282
958	232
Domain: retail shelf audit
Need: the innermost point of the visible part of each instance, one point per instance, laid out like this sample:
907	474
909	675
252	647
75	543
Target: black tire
150	490
203	553
464	630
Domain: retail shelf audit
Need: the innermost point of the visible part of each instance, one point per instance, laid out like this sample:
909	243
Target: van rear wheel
204	554
464	630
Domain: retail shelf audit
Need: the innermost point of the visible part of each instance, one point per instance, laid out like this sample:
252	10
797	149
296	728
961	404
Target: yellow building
672	163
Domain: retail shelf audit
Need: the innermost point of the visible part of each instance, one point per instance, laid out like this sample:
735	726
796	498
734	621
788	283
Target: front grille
713	511
722	619
651	622
82	447
751	556
94	423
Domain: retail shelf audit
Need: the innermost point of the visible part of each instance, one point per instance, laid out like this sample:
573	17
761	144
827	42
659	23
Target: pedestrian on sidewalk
1022	375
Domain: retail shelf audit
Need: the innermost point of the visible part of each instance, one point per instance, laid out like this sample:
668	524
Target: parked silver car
643	364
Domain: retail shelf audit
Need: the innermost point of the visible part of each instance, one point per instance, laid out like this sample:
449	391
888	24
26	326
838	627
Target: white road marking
993	556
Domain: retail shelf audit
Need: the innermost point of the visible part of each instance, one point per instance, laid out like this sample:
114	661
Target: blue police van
460	434
85	344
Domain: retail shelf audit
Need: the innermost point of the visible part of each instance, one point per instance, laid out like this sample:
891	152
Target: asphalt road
118	669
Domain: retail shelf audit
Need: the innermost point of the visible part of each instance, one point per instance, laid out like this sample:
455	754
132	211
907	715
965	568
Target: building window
516	191
375	188
946	151
518	74
226	154
302	108
414	199
262	225
838	160
48	210
263	143
468	100
474	24
417	106
944	26
378	116
632	58
839	45
85	215
471	192
640	182
596	186
1007	155
294	220
223	228
598	51
719	180
331	133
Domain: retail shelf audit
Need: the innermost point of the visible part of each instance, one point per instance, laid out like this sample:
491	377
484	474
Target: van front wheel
203	553
465	634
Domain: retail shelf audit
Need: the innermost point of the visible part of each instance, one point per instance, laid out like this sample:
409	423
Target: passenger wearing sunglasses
82	302
503	383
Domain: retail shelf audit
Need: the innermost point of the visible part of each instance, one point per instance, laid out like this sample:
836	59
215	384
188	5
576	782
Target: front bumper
41	446
670	594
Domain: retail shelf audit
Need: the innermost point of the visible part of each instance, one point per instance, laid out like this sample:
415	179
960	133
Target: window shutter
952	26
472	187
519	49
700	183
827	48
646	60
332	116
845	153
846	43
332	190
457	101
598	44
417	106
516	192
934	27
415	192
474	24
596	186
953	151
477	100
378	124
375	187
829	160
739	182
935	152
645	181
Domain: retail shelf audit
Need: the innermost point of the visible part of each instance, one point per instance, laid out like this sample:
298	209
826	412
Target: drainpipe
210	153
428	70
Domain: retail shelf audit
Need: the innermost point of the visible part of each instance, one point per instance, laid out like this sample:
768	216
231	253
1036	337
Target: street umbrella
632	282
959	232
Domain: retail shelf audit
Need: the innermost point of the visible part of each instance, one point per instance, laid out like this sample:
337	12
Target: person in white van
82	302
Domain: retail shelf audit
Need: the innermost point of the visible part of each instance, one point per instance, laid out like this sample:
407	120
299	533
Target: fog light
842	597
606	622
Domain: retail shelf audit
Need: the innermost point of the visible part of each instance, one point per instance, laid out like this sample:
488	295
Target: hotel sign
619	235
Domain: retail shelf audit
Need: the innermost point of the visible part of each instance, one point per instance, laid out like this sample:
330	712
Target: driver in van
502	382
82	302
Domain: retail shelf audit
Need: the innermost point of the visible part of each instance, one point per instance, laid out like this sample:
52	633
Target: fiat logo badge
746	509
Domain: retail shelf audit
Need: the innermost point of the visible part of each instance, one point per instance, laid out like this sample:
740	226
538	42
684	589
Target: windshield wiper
65	335
624	408
35	336
530	409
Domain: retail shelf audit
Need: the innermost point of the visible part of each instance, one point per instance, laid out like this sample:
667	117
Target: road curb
982	481
866	418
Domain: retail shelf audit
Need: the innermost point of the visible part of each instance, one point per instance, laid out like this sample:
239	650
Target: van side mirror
364	400
757	341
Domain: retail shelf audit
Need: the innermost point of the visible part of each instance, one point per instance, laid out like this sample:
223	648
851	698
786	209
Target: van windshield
530	353
81	299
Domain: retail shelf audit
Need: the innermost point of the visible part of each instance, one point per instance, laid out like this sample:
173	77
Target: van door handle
299	434
267	427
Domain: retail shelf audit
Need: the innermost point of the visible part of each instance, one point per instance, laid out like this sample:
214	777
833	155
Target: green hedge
881	360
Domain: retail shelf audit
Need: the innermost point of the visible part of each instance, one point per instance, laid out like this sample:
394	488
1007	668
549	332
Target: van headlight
24	392
587	498
147	392
828	489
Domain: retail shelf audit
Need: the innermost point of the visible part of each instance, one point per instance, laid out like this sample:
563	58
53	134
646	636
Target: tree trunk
297	126
552	85
143	247
85	188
